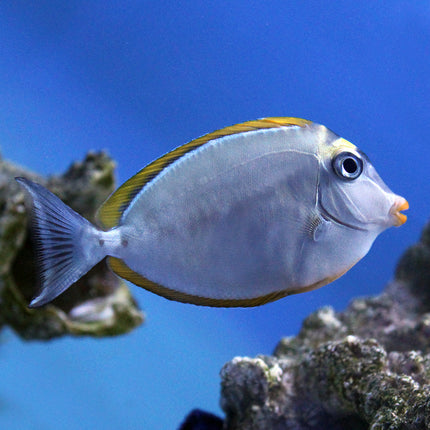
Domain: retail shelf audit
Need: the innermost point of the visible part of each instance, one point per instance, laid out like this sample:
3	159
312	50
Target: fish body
239	217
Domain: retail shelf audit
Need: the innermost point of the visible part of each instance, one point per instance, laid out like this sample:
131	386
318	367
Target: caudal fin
67	244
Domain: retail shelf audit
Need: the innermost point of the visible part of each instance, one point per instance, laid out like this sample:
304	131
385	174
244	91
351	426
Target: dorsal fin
111	211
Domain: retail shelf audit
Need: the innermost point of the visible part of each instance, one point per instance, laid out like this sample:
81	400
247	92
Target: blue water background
138	78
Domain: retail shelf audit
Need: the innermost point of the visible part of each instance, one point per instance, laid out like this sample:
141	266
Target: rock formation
100	303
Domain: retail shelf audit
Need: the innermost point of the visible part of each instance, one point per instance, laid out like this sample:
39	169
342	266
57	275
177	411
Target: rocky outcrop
99	304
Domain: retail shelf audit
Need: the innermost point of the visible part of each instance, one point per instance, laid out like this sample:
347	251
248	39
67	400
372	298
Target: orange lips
400	205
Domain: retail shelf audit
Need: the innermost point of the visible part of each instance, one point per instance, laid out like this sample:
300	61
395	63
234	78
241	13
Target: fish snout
400	204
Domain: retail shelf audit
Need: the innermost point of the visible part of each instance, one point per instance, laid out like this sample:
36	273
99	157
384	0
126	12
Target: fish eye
347	165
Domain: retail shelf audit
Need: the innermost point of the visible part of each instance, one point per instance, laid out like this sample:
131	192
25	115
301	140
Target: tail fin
67	244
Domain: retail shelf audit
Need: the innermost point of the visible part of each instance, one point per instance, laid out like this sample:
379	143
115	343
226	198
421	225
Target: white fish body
239	217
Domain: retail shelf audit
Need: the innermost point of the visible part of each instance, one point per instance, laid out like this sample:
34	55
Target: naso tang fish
239	217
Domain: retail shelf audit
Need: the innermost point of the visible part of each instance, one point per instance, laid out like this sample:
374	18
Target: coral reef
365	368
99	304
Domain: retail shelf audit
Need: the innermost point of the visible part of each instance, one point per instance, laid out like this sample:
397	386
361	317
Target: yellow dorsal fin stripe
110	212
122	270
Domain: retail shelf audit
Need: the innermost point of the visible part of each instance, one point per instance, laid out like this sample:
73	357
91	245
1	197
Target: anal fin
122	270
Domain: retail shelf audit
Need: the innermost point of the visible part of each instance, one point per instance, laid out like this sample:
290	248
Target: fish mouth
399	205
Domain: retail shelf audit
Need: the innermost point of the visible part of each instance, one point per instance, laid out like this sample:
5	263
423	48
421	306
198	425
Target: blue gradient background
138	78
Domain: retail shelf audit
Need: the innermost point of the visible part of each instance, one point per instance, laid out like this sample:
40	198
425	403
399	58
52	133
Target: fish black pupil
350	165
347	166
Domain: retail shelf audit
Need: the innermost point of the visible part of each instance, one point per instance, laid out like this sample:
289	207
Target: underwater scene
266	264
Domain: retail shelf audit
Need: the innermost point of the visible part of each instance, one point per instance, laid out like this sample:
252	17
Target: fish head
351	193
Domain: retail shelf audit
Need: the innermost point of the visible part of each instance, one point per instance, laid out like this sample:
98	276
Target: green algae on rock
99	304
